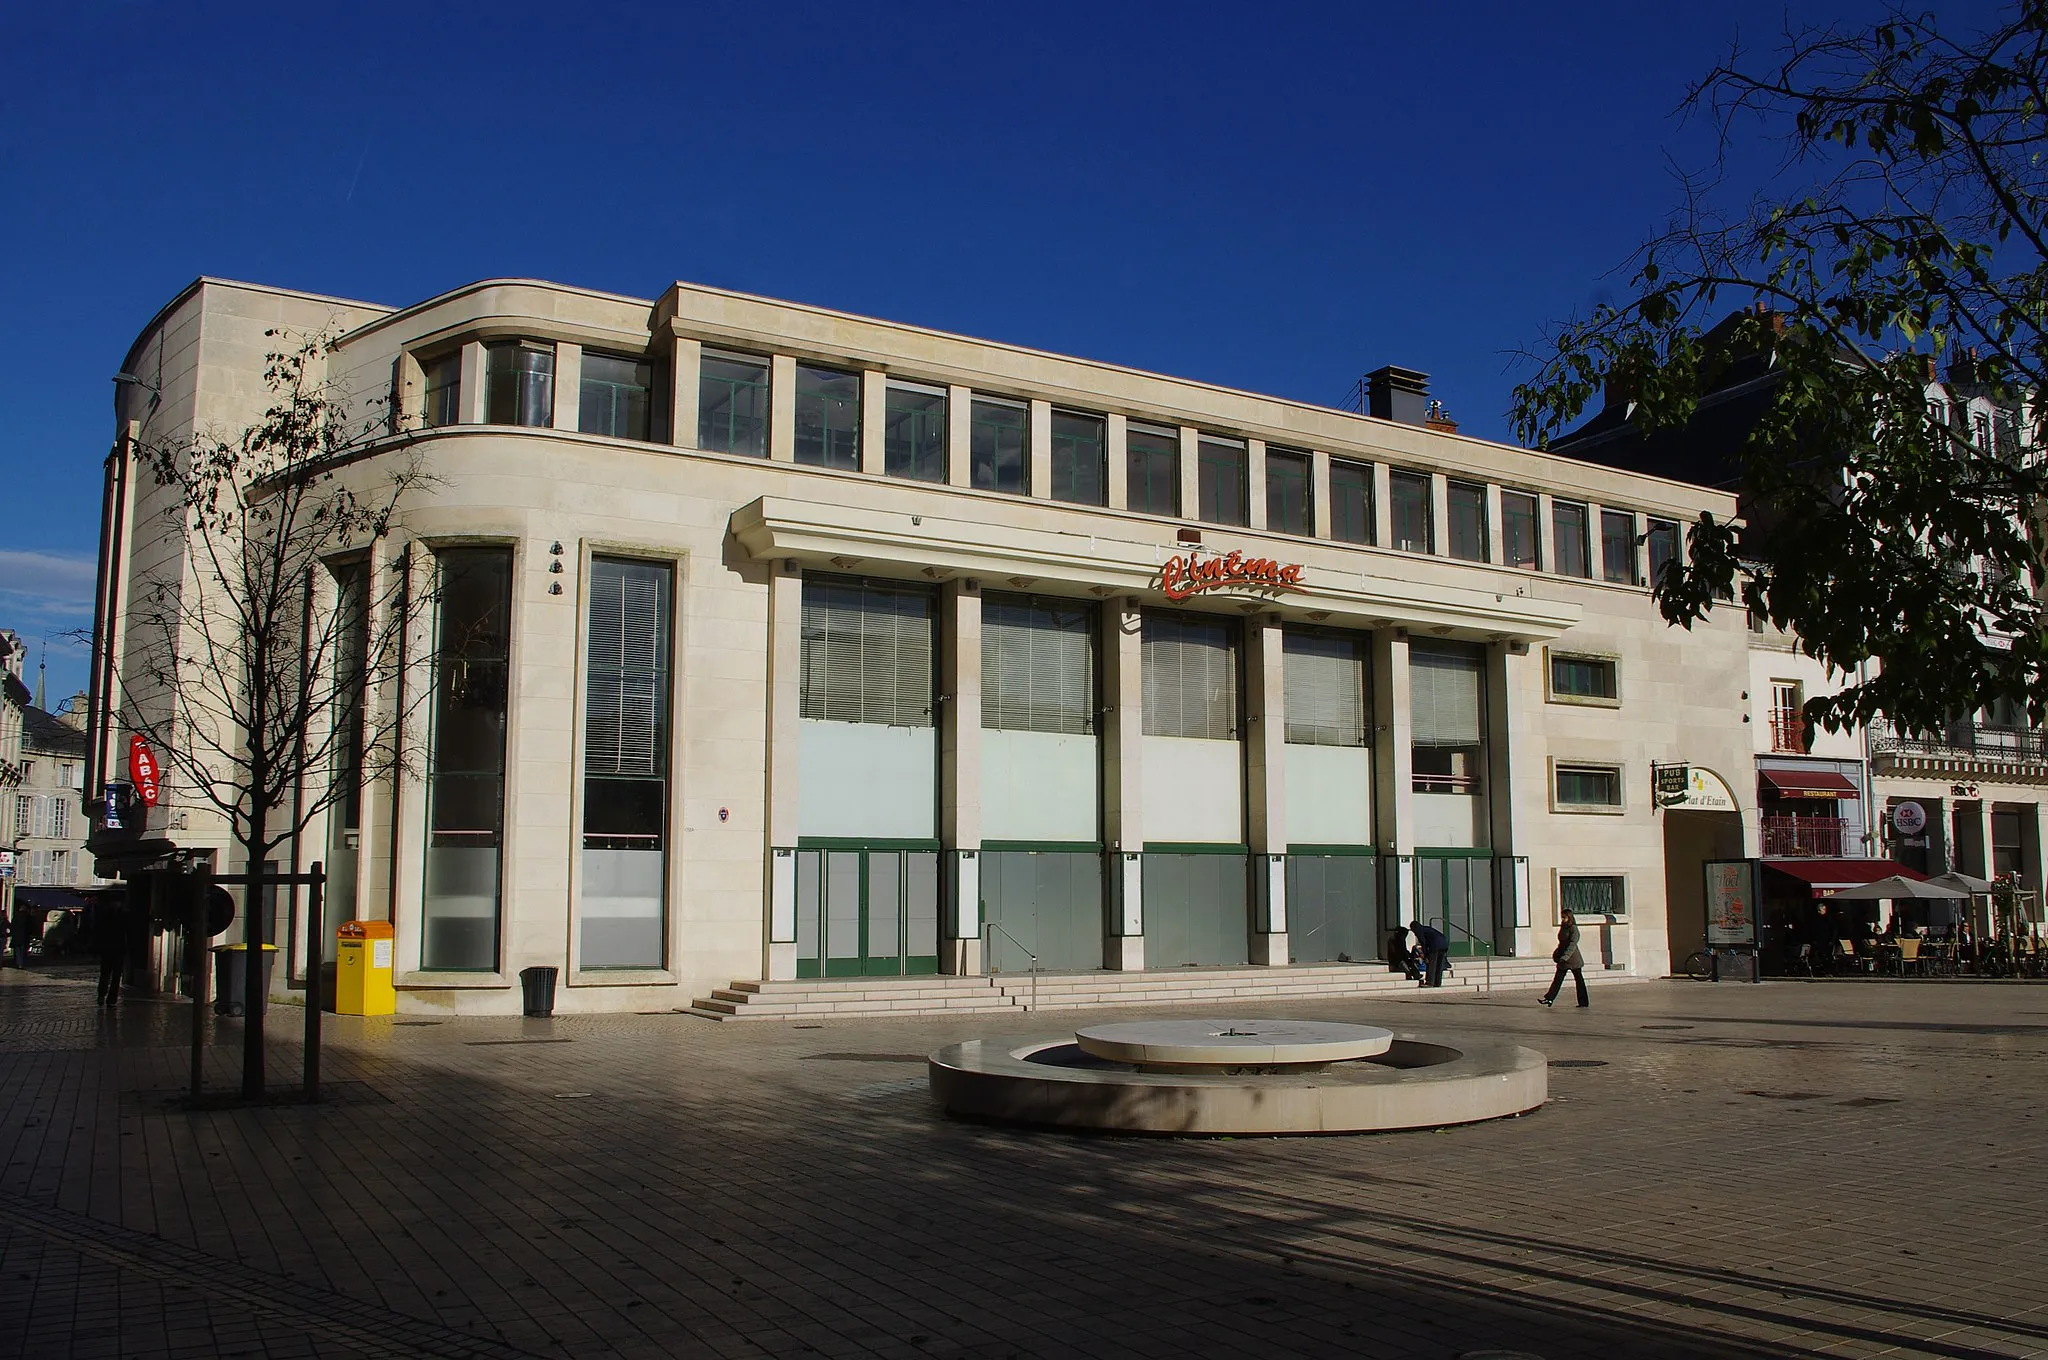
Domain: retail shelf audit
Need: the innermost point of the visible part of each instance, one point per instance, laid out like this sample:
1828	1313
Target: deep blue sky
1274	197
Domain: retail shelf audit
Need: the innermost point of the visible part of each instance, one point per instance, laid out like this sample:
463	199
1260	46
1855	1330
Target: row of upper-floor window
735	411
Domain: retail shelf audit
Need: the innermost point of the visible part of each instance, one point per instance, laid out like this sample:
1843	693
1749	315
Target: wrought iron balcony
1812	837
1788	731
1963	749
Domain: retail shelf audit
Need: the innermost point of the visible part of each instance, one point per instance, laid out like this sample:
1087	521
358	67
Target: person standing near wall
1436	952
1568	960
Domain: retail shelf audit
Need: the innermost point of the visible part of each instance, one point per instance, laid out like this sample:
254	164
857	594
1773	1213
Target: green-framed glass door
1454	892
867	912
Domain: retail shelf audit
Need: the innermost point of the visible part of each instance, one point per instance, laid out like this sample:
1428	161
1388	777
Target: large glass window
1521	541
1037	665
1568	530
1222	468
1408	493
732	404
1351	501
827	418
1618	547
1588	787
466	760
1153	461
350	648
1080	459
914	433
1190	667
1584	677
444	390
1325	686
1289	509
1663	544
867	653
625	764
999	445
614	398
519	384
1466	509
1448	714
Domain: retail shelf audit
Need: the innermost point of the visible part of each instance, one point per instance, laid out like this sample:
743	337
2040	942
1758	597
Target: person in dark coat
25	928
1568	960
110	939
1436	952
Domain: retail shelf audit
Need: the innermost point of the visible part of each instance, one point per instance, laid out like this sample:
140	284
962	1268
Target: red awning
1808	784
1827	875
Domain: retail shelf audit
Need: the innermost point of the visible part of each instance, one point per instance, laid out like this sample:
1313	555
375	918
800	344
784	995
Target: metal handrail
1487	945
988	952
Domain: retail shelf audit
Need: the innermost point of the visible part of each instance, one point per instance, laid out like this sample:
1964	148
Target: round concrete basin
1196	1044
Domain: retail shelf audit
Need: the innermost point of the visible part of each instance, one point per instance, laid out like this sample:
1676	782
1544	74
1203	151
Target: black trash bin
539	984
229	970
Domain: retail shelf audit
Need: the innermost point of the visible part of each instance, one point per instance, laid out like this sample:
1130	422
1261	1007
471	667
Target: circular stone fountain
1240	1077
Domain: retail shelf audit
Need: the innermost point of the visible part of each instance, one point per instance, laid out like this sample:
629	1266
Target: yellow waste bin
362	972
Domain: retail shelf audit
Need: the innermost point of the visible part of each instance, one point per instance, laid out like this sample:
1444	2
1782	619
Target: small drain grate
1577	1062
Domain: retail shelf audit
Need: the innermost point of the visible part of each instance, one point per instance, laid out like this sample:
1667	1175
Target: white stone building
772	642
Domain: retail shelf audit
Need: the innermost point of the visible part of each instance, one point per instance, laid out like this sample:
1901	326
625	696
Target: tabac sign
1184	577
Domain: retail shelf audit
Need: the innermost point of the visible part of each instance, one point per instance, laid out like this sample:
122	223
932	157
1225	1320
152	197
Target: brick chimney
1438	419
1401	394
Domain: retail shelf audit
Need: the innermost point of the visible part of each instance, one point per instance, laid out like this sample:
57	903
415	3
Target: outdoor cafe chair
1909	956
1848	960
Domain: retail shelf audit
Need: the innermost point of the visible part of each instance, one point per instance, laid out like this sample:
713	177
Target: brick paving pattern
1801	1168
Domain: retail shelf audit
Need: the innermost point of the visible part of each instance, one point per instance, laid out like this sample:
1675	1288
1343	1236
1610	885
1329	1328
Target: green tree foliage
1915	233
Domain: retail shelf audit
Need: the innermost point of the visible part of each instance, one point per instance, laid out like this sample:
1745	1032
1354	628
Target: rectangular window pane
1222	469
1521	545
1467	512
1591	895
1190	668
627	679
1288	508
1409	494
1080	450
732	405
615	396
1351	501
914	434
519	384
1663	543
1153	456
1447	709
1568	529
1583	677
1037	665
827	418
1325	688
1000	446
444	390
466	760
867	654
1588	786
1618	547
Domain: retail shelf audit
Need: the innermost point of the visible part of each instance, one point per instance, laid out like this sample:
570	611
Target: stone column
1393	800
1190	472
1382	506
1255	483
471	397
960	436
1986	857
1266	785
1439	514
960	770
785	666
1546	535
1123	787
1496	537
413	571
782	409
685	390
1039	479
1319	494
1116	457
568	385
874	419
408	392
2030	849
1506	667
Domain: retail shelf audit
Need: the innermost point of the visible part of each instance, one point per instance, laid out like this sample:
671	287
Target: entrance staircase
1019	993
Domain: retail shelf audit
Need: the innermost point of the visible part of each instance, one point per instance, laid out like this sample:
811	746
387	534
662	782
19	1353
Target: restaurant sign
1193	574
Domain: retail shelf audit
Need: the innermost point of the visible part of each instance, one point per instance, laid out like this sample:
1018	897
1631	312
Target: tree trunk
254	995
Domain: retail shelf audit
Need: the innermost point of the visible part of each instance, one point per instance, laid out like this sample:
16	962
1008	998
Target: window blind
1037	666
1190	666
1325	679
625	704
1444	698
867	654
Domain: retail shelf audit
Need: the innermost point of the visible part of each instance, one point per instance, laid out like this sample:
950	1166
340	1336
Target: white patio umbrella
1896	888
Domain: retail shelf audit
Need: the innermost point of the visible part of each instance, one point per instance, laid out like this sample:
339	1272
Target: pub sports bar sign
1183	577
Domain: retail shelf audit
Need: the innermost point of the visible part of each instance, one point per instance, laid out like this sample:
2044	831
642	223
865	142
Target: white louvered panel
867	654
625	702
1037	667
1190	667
1325	679
1445	698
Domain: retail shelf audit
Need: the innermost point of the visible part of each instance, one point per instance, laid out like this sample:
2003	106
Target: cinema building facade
769	642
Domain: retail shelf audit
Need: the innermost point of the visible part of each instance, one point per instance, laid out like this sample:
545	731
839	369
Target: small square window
1618	547
1568	532
443	391
1289	508
999	445
1592	895
732	404
1152	460
1413	526
1466	507
1222	467
1584	679
1351	501
1587	788
1521	543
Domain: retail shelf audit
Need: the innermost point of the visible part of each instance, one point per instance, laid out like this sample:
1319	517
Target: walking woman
1568	960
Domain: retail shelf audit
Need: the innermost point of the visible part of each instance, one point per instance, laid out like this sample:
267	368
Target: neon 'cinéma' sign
1192	575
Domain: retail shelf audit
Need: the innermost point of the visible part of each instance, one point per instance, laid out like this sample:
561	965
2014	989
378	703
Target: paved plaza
1842	1168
